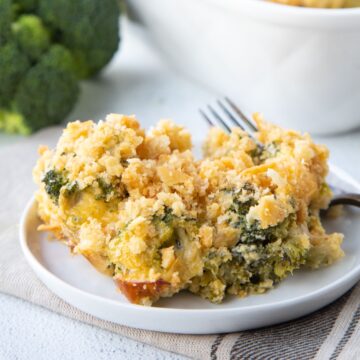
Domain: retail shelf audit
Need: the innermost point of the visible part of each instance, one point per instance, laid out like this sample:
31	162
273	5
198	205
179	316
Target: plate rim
37	266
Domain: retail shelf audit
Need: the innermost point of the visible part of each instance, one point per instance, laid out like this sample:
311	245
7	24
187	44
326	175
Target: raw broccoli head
25	6
45	47
13	66
89	28
6	14
32	36
45	94
56	85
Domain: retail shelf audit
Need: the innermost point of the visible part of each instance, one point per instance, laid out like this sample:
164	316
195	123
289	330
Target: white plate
73	279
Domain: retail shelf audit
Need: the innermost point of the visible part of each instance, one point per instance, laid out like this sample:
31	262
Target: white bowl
298	66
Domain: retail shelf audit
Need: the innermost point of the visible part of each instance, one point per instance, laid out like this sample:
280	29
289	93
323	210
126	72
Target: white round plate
74	280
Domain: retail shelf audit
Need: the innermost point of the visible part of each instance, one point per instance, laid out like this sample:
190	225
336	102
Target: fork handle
346	199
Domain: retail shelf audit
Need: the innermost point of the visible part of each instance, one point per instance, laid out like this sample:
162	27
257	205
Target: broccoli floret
108	192
253	233
264	152
59	57
242	201
249	268
6	14
58	89
31	35
22	6
53	181
13	66
89	28
45	47
12	122
168	216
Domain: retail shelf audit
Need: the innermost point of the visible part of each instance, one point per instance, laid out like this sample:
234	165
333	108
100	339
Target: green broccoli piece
6	15
20	7
45	47
253	233
31	35
53	181
23	6
89	28
13	66
71	188
57	85
167	217
106	190
12	122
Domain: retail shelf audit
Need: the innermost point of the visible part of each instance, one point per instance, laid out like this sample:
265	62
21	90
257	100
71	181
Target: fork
229	113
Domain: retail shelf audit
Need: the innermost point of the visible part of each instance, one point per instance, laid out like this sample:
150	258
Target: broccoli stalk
12	122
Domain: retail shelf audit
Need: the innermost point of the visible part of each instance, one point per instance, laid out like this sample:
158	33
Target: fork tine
218	117
207	119
230	115
241	114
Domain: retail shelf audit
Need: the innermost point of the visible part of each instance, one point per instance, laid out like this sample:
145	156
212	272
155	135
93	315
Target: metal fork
228	115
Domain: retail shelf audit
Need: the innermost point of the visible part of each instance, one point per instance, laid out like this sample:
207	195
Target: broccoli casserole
321	3
143	210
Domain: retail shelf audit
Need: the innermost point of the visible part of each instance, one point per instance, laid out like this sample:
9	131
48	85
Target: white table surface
137	81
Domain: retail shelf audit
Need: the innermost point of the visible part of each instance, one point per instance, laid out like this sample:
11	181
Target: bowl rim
294	15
